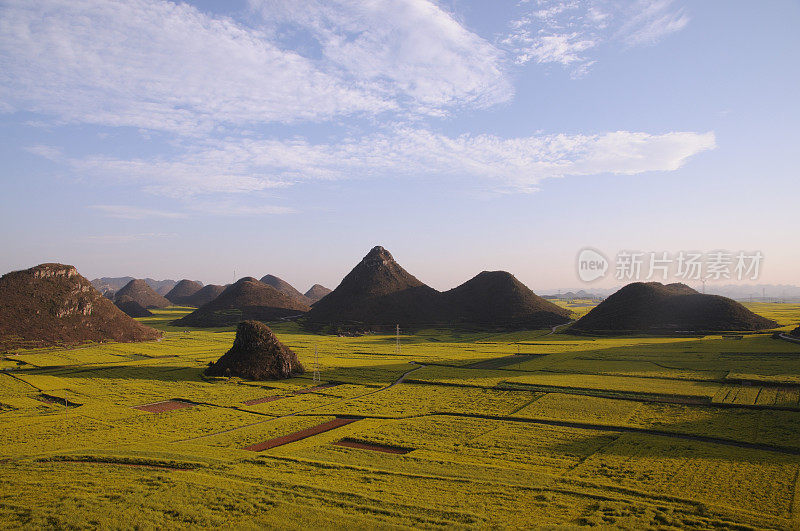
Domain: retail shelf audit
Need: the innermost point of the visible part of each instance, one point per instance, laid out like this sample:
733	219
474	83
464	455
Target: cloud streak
159	65
415	51
568	32
512	164
133	212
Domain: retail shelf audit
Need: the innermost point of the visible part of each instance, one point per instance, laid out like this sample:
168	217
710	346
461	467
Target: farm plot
634	385
577	408
550	445
249	434
753	481
408	399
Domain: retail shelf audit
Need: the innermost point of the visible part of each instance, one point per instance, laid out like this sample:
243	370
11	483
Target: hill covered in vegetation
655	307
247	299
52	304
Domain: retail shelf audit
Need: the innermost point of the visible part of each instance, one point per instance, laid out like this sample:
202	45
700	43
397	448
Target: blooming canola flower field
457	429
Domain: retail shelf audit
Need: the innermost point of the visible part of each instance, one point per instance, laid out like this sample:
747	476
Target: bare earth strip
298	435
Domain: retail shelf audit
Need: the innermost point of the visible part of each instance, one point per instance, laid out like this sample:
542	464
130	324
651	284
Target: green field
631	432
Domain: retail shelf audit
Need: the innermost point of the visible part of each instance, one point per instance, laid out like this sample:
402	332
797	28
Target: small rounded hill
257	354
182	291
53	305
247	299
142	293
497	298
131	307
204	295
316	292
655	307
285	288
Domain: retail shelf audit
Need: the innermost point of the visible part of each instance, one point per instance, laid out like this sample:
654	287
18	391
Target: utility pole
397	340
316	364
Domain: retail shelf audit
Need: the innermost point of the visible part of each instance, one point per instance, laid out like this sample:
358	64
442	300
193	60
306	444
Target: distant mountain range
579	294
739	292
114	284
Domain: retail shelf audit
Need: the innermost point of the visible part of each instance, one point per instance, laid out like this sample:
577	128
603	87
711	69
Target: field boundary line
788	450
299	413
684	400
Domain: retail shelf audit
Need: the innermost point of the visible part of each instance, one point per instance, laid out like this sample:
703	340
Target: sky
214	140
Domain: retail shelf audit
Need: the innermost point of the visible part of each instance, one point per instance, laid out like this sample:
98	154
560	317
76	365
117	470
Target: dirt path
790	339
553	329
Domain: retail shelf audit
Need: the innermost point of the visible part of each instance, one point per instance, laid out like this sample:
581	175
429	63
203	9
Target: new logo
591	265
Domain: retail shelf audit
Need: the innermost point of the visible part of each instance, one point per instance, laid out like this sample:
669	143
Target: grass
634	432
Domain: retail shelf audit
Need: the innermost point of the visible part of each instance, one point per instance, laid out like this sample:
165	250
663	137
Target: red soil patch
166	405
351	443
262	400
298	435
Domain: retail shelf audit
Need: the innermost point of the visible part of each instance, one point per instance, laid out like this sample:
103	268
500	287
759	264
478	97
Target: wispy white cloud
51	153
567	31
159	65
650	21
414	50
564	48
134	212
233	208
236	167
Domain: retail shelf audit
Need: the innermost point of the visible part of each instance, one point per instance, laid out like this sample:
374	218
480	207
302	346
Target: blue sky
151	138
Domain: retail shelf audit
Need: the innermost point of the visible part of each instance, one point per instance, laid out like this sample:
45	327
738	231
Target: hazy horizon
191	140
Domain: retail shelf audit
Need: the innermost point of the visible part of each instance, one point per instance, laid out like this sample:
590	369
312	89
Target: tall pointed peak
378	253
